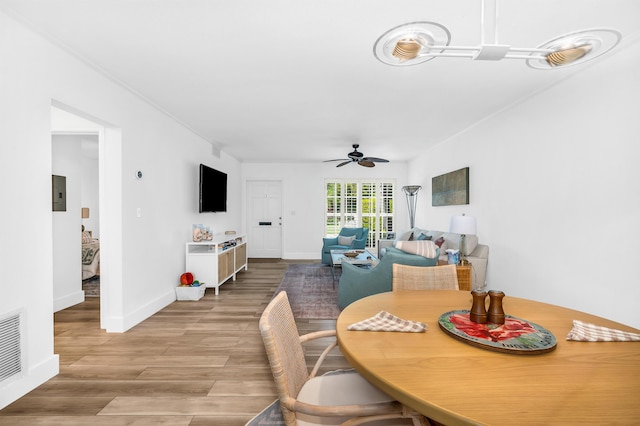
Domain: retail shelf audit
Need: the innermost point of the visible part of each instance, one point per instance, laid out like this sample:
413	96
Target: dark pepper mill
478	312
495	313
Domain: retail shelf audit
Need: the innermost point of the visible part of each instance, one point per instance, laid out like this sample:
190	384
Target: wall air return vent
10	346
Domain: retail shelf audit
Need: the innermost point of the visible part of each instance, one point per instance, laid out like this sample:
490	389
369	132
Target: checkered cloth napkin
384	321
585	332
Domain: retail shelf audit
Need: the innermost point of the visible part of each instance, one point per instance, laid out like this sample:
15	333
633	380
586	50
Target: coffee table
364	259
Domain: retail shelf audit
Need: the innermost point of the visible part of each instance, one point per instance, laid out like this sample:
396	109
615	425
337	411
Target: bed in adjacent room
90	256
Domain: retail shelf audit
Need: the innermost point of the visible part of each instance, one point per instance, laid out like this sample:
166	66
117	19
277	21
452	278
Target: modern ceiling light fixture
417	42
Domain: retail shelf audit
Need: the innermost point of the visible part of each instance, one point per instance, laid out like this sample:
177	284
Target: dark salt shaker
478	313
496	313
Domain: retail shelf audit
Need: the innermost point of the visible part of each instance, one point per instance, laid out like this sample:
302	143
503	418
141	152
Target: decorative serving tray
515	336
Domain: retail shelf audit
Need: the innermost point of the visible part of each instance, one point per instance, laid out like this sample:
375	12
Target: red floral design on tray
511	328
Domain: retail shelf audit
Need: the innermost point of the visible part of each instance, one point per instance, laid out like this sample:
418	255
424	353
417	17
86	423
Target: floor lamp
412	199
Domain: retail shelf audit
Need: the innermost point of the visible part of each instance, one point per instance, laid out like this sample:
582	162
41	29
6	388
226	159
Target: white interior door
264	216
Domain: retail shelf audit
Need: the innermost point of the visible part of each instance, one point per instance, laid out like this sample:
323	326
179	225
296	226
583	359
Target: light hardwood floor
193	363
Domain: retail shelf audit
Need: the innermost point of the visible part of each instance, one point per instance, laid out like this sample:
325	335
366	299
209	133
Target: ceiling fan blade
366	163
342	164
338	159
375	159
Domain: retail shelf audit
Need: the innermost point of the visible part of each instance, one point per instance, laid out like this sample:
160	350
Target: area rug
312	291
91	286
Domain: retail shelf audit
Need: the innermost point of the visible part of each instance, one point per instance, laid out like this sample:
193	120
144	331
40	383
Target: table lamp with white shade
463	225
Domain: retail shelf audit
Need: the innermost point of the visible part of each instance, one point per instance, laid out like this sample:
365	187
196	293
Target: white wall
65	124
147	251
554	186
89	184
67	265
303	198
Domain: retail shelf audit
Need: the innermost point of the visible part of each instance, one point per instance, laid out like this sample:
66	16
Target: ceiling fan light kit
417	42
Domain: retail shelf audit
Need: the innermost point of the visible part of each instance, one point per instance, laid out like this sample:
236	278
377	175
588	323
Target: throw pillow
423	248
440	242
86	237
345	241
434	234
423	237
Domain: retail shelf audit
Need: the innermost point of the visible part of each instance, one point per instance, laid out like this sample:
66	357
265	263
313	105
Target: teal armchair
359	242
356	282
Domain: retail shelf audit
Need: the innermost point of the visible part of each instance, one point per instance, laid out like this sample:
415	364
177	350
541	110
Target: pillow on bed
86	237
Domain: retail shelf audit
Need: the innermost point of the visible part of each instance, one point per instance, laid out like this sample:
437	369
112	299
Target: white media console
215	261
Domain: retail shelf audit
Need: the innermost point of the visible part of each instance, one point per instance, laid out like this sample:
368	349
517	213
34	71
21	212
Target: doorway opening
89	152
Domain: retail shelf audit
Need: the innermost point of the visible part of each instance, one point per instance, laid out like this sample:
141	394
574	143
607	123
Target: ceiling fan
357	157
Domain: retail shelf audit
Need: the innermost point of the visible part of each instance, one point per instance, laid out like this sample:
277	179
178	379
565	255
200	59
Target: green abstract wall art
450	188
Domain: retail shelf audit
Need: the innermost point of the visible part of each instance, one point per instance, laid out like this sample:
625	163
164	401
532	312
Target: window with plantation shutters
360	203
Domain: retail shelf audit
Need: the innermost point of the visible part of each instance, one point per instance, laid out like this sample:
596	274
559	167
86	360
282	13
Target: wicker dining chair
338	398
406	277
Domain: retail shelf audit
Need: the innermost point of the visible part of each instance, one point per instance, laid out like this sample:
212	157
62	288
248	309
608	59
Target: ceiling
296	80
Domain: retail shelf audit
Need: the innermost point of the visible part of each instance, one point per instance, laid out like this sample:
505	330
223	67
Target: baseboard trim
302	256
68	300
37	375
124	323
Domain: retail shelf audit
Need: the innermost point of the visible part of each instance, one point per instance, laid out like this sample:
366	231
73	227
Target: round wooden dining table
456	383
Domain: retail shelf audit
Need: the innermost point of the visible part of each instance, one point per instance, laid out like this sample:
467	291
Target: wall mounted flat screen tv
213	190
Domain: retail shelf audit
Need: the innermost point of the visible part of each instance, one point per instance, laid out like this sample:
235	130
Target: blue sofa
356	282
331	243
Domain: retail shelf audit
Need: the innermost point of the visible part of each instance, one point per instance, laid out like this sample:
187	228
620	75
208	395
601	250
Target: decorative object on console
417	42
197	233
202	233
450	188
463	225
412	199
